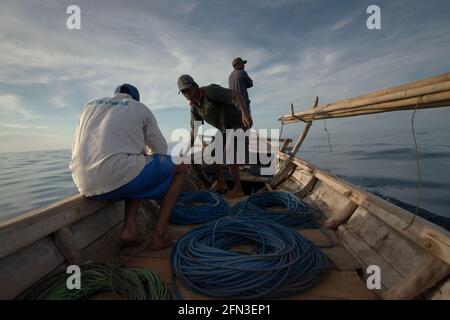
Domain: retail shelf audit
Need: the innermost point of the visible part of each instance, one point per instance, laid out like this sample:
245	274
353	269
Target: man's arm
248	80
240	102
154	138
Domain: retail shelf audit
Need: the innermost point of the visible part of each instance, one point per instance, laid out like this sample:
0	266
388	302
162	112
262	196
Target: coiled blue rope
296	214
198	207
283	264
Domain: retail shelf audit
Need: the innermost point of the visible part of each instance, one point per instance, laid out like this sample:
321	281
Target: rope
328	134
127	283
296	214
283	264
198	207
419	174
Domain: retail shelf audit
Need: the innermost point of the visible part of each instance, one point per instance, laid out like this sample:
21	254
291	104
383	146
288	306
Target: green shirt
217	108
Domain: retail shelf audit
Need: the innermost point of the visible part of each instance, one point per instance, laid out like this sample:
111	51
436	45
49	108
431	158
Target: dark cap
128	89
238	60
185	81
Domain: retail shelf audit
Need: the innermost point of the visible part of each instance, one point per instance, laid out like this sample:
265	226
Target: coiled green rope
126	283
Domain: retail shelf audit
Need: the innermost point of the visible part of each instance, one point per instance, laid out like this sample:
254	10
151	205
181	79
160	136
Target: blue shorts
152	183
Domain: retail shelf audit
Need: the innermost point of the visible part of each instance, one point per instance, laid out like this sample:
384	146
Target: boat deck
343	282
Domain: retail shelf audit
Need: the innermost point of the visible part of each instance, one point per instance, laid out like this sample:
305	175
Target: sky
295	51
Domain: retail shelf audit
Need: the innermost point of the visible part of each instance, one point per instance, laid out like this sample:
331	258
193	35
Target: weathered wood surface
426	276
20	231
425	234
21	269
68	246
339	256
353	242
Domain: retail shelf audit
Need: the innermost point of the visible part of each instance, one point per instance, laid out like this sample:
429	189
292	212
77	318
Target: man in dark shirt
240	81
223	109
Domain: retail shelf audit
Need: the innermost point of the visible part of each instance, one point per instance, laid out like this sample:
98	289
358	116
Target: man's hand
247	121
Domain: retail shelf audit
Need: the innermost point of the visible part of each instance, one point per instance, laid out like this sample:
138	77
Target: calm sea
382	163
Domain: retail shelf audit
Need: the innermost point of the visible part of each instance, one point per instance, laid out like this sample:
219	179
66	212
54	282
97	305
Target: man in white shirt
111	161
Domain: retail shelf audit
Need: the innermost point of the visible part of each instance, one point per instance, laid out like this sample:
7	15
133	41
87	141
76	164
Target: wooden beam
433	91
284	173
68	246
308	187
434	100
340	217
423	278
20	231
432	238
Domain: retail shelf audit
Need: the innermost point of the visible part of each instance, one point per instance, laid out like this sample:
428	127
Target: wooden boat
367	230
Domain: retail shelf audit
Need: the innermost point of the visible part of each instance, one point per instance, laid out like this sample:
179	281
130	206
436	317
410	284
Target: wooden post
285	144
288	166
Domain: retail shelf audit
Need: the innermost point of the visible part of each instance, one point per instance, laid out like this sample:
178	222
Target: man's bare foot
235	193
219	188
159	243
130	238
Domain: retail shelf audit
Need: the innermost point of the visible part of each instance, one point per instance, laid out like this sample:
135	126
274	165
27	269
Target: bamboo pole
412	93
434	92
411	85
288	168
399	105
434	100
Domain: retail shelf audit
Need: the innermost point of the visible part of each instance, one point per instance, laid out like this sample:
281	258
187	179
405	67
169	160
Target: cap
238	60
128	89
185	81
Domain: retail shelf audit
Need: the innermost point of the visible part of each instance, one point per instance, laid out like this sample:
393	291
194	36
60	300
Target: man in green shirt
223	109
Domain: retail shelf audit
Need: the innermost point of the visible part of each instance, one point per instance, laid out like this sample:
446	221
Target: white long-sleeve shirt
111	143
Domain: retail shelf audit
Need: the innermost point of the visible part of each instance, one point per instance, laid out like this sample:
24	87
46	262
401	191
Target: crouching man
110	161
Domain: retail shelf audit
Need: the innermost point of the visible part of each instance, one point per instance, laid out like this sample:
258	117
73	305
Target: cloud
22	126
293	49
11	106
344	22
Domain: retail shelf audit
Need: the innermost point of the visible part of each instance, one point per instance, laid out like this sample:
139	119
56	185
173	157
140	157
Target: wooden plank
20	231
389	276
302	175
68	246
95	226
335	201
290	185
318	205
423	278
441	291
339	256
335	285
429	236
309	186
338	285
20	270
402	254
106	248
